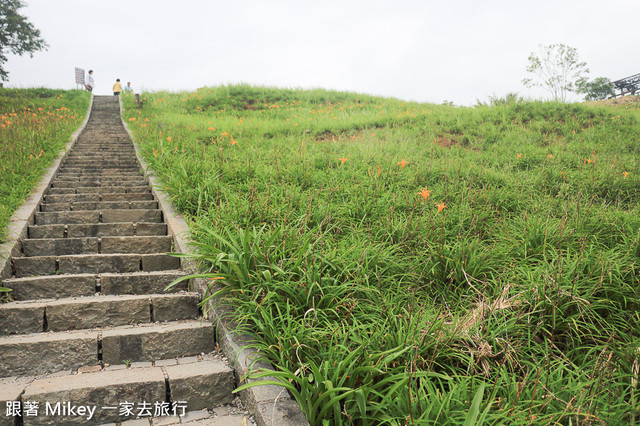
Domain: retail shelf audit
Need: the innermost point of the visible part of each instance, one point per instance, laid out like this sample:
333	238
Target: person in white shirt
90	84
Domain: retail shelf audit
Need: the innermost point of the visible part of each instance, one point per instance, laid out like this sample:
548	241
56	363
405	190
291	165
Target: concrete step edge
50	352
203	383
73	285
81	230
77	313
93	263
135	244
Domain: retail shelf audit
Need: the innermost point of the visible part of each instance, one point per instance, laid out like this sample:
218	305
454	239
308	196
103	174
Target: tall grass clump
35	124
404	263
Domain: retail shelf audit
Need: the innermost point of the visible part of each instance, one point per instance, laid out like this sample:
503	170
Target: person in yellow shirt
117	88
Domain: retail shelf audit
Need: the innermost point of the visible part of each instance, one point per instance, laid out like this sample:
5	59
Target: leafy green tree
596	90
17	35
557	69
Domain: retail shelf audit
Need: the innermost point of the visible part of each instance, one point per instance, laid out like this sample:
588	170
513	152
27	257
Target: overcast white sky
456	50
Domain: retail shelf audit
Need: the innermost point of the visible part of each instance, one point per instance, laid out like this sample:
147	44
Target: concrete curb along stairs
91	331
271	405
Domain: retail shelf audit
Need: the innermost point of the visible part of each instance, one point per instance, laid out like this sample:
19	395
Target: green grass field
405	263
35	124
400	263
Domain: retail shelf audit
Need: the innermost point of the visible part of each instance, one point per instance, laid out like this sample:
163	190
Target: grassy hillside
406	263
35	124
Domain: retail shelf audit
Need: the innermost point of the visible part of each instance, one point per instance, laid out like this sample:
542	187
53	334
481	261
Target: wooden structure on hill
628	85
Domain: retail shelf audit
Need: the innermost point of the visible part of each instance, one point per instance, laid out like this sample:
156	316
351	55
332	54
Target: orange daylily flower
440	206
519	155
342	159
625	174
550	156
425	193
169	138
403	163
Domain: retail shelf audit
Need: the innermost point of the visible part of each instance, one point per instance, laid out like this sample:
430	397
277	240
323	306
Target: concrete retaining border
25	214
271	405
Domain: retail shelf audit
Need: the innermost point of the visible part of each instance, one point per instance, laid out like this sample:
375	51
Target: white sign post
80	77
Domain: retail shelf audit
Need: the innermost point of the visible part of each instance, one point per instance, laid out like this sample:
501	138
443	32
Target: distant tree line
17	35
557	68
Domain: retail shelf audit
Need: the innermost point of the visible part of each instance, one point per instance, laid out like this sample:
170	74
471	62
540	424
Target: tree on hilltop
596	90
557	69
17	35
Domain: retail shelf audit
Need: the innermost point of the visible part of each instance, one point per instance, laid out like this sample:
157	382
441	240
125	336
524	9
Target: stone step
96	173
89	181
99	205
77	154
141	282
189	385
105	165
100	169
95	311
47	287
97	182
74	198
87	152
44	353
111	159
97	230
63	175
99	189
122	161
97	179
72	285
156	341
98	216
92	245
93	263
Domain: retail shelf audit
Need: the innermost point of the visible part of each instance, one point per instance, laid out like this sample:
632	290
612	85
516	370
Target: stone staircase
91	325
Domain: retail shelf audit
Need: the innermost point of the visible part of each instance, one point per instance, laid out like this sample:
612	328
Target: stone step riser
99	179
120	160
99	205
62	175
100	189
100	163
112	171
94	312
88	153
103	245
46	353
73	198
100	166
97	230
93	264
63	286
98	216
196	385
98	183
